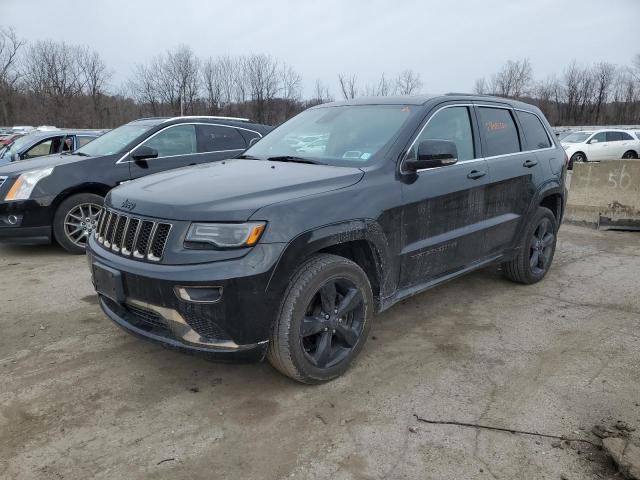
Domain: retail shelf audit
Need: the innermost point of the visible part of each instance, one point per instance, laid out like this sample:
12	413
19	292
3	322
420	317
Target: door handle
530	163
476	174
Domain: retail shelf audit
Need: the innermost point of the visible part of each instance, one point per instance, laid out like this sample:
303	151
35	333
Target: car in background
47	142
596	145
9	138
59	197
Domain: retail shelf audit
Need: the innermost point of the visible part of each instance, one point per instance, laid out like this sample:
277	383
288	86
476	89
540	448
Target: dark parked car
60	196
288	251
49	142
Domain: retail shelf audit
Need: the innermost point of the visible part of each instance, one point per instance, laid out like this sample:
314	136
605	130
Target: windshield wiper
82	154
289	158
248	157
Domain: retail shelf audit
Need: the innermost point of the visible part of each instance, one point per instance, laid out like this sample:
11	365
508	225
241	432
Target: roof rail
235	119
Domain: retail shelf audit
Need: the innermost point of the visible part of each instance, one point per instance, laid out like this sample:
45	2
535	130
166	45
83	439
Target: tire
630	154
526	267
66	219
577	157
301	356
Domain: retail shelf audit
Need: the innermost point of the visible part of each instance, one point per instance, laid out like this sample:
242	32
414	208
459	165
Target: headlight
226	235
24	185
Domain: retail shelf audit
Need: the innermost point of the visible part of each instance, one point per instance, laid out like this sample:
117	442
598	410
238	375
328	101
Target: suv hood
16	168
229	191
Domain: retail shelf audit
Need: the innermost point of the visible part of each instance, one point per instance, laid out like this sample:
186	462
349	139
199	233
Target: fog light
199	294
12	220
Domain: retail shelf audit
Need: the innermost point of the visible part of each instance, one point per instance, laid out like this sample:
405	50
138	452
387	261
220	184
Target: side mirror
593	140
144	153
16	157
432	154
253	141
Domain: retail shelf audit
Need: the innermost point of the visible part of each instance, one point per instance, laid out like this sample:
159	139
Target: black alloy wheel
541	247
333	323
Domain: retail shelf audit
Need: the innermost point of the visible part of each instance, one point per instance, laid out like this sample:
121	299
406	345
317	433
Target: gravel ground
80	398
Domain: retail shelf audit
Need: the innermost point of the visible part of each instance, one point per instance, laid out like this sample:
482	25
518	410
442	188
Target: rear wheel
324	320
630	154
534	258
75	220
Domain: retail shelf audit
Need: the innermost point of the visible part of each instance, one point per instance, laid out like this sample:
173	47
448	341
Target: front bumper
237	326
25	222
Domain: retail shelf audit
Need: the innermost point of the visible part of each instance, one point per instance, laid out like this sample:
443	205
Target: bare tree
96	75
514	79
408	82
53	73
480	87
10	46
212	85
320	94
263	82
604	75
348	85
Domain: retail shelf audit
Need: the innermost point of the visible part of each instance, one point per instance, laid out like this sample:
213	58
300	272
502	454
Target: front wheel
577	157
75	220
533	260
324	320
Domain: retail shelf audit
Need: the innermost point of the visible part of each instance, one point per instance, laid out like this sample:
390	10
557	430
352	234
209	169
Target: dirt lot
79	398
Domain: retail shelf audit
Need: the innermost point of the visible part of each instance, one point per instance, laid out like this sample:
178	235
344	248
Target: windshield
344	135
16	146
577	137
113	141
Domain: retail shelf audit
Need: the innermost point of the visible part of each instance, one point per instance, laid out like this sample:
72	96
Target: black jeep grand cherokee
339	213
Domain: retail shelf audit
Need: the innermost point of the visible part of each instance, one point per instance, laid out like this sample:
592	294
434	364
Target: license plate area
108	282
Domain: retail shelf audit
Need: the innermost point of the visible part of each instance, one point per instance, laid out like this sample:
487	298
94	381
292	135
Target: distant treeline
55	83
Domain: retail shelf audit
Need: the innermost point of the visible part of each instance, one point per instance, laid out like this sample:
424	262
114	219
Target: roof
159	120
423	99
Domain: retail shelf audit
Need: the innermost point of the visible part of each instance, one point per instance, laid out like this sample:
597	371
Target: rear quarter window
499	131
535	135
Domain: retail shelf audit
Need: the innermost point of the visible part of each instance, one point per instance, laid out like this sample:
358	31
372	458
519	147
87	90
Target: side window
43	148
625	136
535	135
453	124
599	138
499	130
82	140
177	140
614	136
213	138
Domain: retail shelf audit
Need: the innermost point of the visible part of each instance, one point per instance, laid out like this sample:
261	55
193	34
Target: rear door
219	142
620	143
444	212
512	170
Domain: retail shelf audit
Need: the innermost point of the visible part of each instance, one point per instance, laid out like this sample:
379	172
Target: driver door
176	146
444	213
597	147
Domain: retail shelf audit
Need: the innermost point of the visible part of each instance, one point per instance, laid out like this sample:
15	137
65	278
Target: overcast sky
449	42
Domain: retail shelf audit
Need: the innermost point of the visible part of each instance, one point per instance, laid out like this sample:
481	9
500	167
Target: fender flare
312	241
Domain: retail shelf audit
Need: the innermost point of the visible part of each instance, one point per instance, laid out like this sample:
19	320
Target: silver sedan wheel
81	222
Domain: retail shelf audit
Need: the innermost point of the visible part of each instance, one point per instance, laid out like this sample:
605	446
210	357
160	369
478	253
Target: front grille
131	236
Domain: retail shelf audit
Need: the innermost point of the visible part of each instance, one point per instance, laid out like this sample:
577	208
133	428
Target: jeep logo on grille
128	205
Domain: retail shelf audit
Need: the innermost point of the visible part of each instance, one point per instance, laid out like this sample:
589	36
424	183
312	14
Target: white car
609	144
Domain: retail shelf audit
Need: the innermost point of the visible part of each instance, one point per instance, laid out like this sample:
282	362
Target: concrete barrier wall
605	194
